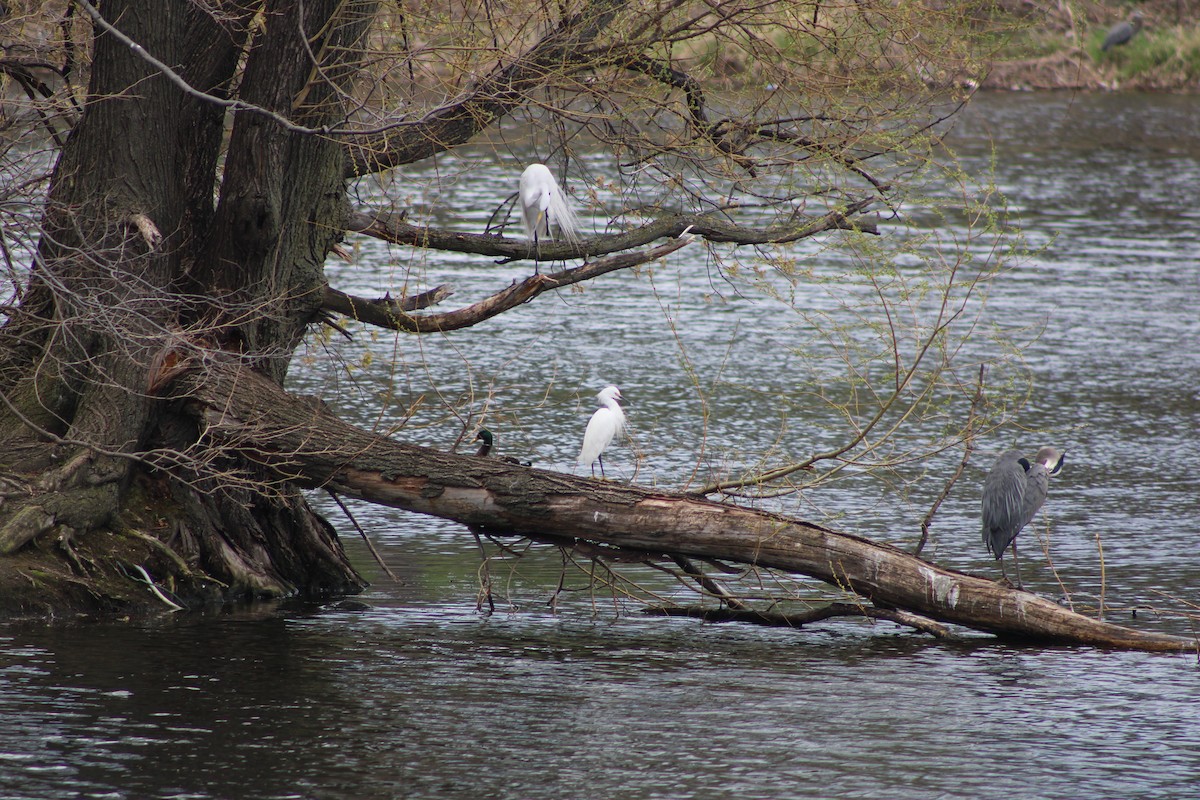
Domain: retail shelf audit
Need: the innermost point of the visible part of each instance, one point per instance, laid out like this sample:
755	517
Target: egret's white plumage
607	423
543	204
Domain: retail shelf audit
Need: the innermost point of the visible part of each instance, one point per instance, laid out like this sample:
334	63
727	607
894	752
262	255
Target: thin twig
1044	540
968	448
713	587
171	604
375	553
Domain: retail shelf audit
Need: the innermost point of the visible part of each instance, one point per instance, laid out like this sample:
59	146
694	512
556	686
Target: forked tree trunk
136	260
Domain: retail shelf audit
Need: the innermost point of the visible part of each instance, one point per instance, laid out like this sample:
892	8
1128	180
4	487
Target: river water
417	694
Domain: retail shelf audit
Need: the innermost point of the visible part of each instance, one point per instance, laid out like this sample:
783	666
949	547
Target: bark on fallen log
303	442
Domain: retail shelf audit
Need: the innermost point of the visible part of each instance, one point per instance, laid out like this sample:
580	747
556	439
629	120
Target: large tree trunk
134	262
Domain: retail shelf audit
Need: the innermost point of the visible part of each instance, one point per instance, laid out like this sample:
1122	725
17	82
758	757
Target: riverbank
1063	50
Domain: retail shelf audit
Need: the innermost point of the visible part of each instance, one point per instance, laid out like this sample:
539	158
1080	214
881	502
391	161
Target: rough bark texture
305	443
135	259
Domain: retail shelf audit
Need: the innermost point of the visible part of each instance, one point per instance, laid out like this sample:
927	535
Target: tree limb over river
304	443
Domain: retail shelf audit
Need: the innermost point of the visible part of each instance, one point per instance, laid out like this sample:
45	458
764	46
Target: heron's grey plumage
1013	492
1122	32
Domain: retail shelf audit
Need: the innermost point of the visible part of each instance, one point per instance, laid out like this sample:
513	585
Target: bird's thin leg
537	253
1017	564
599	458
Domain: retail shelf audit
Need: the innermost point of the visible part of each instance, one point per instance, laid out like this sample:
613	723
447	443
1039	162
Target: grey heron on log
1013	492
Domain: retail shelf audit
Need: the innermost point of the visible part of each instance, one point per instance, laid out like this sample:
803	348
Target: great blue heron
1122	32
544	204
606	423
1012	494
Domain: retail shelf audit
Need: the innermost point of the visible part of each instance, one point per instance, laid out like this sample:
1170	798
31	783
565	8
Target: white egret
543	204
606	423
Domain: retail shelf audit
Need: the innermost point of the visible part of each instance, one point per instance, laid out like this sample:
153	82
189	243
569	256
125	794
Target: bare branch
798	620
713	227
386	314
366	539
385	307
505	89
306	443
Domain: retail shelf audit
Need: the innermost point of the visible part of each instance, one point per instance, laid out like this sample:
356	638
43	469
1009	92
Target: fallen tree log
303	442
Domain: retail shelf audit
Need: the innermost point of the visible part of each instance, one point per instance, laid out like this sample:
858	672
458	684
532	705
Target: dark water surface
420	696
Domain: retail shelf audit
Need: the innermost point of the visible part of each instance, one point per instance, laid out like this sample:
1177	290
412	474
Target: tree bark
304	443
135	261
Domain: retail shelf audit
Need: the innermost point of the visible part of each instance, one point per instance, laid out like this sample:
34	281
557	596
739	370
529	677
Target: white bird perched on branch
606	423
543	204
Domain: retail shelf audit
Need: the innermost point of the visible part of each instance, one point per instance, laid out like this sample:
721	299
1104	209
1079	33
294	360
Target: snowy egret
607	422
1012	494
544	204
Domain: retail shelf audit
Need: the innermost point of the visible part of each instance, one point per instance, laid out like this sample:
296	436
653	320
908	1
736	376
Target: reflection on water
412	700
420	696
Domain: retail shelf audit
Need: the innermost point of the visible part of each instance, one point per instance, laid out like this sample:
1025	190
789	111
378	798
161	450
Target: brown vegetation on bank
1060	48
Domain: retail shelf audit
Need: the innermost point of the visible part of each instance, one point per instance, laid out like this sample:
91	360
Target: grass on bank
1165	56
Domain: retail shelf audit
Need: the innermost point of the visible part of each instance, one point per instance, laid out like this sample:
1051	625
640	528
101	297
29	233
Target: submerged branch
799	620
